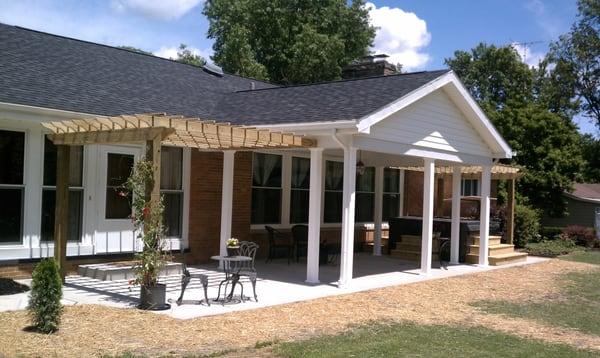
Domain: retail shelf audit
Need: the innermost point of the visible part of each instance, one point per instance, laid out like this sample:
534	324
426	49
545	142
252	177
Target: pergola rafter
177	131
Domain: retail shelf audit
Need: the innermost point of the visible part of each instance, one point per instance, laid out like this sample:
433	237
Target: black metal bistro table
231	268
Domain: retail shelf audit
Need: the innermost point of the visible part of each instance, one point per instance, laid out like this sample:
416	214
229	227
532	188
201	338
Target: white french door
114	230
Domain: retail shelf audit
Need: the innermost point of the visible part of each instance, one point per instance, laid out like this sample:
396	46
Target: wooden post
61	211
153	154
510	212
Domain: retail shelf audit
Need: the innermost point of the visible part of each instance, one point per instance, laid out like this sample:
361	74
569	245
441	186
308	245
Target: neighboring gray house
582	205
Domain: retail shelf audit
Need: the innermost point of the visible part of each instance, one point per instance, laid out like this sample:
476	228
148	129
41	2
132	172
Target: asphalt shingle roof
44	70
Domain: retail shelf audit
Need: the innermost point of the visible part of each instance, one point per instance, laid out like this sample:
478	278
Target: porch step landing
409	249
113	271
499	254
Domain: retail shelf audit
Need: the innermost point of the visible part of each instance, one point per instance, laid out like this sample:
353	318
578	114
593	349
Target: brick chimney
368	66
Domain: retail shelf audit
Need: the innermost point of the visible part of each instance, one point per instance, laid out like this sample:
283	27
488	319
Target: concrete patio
278	283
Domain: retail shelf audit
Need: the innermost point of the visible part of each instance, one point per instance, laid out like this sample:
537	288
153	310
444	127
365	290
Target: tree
516	98
185	55
288	41
590	147
576	56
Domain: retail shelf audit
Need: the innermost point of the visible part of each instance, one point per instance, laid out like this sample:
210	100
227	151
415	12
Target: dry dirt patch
93	330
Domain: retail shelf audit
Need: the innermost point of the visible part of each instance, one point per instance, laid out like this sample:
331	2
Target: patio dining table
231	268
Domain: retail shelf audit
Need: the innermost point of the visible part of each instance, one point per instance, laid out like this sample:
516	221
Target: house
583	207
237	154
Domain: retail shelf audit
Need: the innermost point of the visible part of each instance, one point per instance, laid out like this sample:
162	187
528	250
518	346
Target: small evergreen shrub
581	235
527	225
44	307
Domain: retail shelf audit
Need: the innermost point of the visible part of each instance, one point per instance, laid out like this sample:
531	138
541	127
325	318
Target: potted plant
233	246
147	217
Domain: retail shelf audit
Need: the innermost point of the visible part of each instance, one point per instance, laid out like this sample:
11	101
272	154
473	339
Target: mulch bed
10	287
91	330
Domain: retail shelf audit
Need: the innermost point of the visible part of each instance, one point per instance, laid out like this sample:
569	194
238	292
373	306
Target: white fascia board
39	114
312	128
482	124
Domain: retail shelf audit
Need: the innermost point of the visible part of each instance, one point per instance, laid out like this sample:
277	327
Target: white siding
432	122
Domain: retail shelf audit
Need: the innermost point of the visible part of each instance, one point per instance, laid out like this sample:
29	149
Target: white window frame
463	186
181	191
285	189
22	186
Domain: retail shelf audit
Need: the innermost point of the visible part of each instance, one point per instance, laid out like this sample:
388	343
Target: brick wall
205	202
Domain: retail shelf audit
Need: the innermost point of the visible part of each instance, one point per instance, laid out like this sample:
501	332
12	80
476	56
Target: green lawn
577	307
413	340
588	257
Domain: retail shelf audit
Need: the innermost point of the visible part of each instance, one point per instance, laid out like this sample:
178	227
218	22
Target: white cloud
156	9
528	56
171	52
401	35
547	20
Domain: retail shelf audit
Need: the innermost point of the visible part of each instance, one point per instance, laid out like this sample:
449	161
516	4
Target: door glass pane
12	154
119	168
171	163
172	214
332	211
75	164
391	180
299	206
266	170
334	175
391	206
75	214
266	204
11	215
366	181
364	207
300	173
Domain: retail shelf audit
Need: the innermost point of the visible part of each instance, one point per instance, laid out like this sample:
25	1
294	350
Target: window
365	195
171	188
334	186
391	193
75	192
118	169
300	190
470	187
266	188
12	158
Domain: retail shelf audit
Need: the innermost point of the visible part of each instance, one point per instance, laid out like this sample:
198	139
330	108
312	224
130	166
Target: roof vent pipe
252	85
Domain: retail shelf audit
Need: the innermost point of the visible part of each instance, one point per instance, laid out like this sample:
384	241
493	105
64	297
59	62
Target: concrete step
494	239
497	260
401	246
493	249
410	239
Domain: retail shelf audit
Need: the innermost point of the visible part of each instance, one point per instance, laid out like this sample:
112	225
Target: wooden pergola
155	129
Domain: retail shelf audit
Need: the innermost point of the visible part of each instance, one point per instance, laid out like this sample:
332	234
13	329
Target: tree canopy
576	56
288	41
185	55
518	100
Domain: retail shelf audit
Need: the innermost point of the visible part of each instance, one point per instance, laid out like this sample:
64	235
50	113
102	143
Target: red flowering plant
147	217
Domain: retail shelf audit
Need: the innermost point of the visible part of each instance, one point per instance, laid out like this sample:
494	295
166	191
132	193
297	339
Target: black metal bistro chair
278	242
246	268
300	235
186	277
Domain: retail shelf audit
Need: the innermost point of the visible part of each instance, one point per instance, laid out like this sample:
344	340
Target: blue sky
417	33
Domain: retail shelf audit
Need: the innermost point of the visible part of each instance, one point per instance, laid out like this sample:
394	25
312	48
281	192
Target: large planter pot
153	297
233	250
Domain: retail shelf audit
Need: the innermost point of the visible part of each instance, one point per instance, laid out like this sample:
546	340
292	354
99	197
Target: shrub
551	232
527	225
46	291
551	248
581	235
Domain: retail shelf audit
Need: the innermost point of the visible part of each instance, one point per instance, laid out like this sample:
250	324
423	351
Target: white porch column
314	215
378	211
455	227
226	199
401	191
349	194
427	233
484	219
